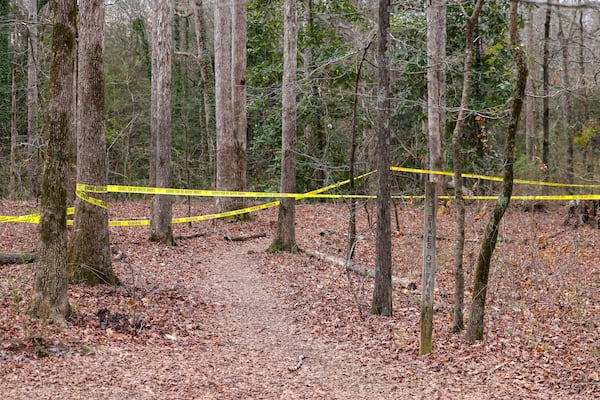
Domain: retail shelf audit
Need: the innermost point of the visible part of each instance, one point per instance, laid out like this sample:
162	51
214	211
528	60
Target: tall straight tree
207	119
89	248
285	238
50	300
459	276
230	100
239	36
436	114
161	228
32	90
382	294
488	243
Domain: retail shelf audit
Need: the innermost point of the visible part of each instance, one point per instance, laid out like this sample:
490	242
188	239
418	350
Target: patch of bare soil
216	319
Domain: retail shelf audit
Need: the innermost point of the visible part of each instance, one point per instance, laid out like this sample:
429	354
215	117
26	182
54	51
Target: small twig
298	364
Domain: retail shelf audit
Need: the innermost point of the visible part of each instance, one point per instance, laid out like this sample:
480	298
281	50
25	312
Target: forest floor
218	319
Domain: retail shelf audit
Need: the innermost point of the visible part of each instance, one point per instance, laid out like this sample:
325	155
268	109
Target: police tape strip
83	189
494	178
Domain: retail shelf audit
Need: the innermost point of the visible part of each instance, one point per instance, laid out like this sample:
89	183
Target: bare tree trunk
89	249
568	103
488	243
285	238
546	94
50	299
238	96
436	113
530	122
382	293
12	191
33	97
459	277
208	88
160	223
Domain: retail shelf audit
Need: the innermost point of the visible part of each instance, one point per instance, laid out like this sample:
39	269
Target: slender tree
546	94
50	299
459	277
436	117
239	36
208	87
161	229
382	294
488	243
32	91
89	248
285	238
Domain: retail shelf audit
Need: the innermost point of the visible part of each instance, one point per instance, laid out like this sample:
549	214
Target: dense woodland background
560	126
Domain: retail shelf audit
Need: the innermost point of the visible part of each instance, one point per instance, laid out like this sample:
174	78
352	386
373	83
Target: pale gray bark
160	222
33	92
285	238
208	86
436	114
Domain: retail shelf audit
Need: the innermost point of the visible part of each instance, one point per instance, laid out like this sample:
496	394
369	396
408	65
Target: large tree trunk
285	238
161	229
459	277
382	293
488	243
50	299
436	115
89	250
231	149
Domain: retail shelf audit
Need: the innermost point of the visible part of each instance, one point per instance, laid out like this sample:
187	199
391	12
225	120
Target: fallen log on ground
22	257
359	269
241	238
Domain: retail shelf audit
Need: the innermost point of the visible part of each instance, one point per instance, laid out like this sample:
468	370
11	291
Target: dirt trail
261	341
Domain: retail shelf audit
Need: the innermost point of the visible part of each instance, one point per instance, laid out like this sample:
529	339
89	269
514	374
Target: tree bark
459	277
382	294
238	97
530	106
89	250
436	115
285	238
546	94
12	190
231	147
568	103
50	297
488	243
161	229
33	93
208	88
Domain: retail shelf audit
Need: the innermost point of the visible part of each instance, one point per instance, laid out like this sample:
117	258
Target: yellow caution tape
494	178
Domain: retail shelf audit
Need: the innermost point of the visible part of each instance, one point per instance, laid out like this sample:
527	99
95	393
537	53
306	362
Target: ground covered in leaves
218	319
